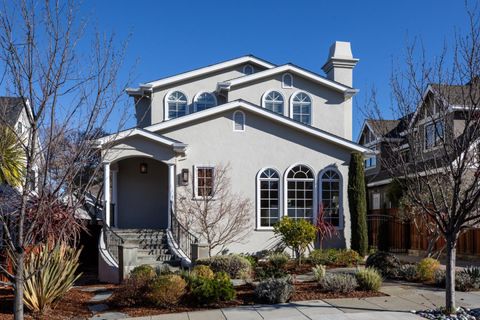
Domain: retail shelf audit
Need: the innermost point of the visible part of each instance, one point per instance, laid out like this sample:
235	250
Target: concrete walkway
402	300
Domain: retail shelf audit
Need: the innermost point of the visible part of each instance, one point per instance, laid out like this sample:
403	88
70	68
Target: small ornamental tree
357	202
297	234
325	229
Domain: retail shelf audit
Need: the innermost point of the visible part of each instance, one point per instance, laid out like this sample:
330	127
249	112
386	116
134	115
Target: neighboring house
389	139
285	132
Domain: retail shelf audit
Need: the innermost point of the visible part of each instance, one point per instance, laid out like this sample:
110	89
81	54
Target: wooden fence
388	232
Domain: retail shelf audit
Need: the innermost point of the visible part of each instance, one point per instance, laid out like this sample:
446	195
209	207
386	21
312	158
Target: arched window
330	195
204	100
301	108
248	69
268	203
238	121
287	80
300	196
273	101
176	105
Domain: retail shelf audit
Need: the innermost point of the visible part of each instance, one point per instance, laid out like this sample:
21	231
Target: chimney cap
340	54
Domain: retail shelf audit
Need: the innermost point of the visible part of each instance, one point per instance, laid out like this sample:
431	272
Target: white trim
205	70
246	66
290	105
144	133
366	124
266	93
195	182
314	193
257	192
244	120
435	146
106	192
379	183
283	80
347	91
341	209
195	98
260	111
165	103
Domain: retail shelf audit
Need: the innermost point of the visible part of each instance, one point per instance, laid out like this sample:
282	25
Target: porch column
114	197
106	192
171	193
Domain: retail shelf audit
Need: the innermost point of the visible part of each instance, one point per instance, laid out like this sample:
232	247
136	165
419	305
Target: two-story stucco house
284	131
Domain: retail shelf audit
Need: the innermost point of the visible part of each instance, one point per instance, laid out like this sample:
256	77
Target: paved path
99	308
402	299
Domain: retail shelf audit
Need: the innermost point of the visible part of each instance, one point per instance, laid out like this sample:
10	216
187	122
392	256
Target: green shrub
51	274
207	291
143	270
167	290
386	263
163	270
234	265
251	258
297	234
326	257
338	283
278	259
463	281
134	290
273	291
267	271
426	269
319	272
357	201
202	271
369	279
347	258
474	273
408	272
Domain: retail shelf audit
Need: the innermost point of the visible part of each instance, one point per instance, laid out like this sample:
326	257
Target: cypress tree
357	202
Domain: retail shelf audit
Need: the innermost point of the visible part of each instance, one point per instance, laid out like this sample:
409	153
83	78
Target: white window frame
258	202
245	68
437	143
369	159
234	122
283	81
195	99
340	193
314	191
195	180
165	103
291	106
283	96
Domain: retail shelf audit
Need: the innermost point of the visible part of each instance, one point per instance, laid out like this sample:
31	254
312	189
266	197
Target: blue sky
169	37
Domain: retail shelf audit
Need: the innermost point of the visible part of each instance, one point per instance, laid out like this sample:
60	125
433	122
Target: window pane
269	197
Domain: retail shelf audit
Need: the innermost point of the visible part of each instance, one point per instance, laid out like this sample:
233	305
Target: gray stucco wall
329	110
142	198
263	144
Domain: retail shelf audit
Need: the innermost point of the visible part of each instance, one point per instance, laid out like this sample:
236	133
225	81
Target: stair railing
183	238
112	241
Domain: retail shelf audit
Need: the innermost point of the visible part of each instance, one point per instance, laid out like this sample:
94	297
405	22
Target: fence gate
388	233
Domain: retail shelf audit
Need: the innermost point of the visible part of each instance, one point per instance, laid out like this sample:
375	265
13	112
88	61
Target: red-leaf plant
325	229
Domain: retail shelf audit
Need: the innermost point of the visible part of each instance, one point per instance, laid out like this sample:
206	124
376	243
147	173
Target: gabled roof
324	135
177	145
197	72
10	110
292	69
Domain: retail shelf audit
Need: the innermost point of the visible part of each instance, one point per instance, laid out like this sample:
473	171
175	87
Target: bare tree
217	215
64	88
434	153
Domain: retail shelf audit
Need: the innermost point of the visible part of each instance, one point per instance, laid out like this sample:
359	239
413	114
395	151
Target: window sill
264	229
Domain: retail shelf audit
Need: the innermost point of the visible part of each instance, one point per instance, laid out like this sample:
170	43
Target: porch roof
117	137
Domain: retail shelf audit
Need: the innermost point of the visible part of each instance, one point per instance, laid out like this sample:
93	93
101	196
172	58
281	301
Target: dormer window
204	100
287	80
248	69
176	105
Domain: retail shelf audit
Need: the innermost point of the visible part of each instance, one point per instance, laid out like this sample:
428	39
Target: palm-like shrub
51	275
12	158
369	279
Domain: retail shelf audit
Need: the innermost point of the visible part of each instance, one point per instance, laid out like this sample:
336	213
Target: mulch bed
73	305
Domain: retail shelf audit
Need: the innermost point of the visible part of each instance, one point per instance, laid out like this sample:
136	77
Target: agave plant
52	274
12	158
474	273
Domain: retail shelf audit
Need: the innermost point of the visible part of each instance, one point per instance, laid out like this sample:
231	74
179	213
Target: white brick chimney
340	63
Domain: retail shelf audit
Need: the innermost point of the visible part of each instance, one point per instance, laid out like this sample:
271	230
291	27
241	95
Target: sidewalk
401	300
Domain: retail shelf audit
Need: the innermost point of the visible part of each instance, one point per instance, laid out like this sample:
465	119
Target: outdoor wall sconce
184	177
143	168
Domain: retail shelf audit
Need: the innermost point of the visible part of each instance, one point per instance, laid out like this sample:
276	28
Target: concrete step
155	259
153	252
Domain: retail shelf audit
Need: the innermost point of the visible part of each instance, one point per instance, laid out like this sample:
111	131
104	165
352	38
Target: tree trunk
18	304
450	274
